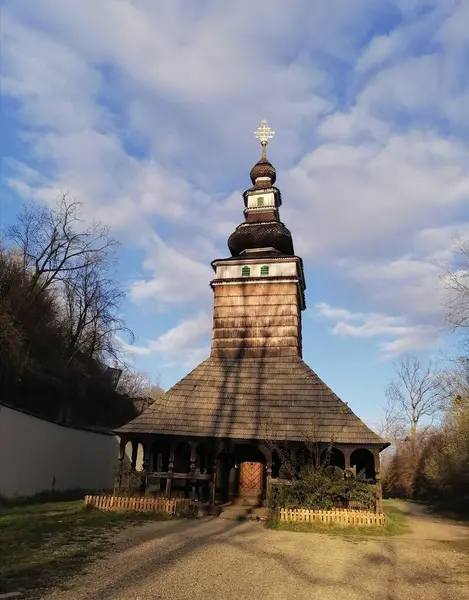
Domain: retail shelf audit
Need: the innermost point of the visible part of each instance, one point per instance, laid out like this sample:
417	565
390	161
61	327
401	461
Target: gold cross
264	133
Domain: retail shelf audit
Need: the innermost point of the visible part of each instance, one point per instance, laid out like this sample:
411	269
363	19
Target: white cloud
372	132
330	312
186	344
453	30
409	37
351	199
406	285
394	334
56	88
176	278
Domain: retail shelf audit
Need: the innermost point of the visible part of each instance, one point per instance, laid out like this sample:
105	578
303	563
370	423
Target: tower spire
262	228
264	133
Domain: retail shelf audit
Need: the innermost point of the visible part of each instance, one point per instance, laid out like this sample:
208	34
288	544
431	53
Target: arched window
264	270
245	271
364	463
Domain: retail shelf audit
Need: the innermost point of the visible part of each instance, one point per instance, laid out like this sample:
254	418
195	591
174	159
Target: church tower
259	290
212	426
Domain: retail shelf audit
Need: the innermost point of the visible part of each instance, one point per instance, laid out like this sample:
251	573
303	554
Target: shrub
322	489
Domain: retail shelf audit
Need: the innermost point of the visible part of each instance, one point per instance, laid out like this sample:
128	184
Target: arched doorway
205	453
182	458
204	457
364	463
182	464
159	463
250	462
304	460
333	457
276	465
226	477
134	451
160	456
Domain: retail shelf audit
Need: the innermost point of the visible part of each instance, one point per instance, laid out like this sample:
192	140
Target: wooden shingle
254	398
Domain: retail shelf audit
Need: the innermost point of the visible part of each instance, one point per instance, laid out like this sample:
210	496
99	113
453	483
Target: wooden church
216	430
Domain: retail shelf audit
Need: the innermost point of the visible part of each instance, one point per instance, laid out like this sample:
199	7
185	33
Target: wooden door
250	480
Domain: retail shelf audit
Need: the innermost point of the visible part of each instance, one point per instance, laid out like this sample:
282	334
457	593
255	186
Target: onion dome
263	168
272	234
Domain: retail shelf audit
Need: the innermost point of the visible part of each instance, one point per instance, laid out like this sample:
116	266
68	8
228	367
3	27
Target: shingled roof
254	398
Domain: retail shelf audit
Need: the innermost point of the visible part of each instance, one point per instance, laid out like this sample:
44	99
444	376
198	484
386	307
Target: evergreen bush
323	489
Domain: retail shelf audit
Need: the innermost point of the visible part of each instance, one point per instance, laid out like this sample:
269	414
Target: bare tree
455	380
133	383
59	251
456	282
140	388
317	454
59	316
92	318
413	396
54	243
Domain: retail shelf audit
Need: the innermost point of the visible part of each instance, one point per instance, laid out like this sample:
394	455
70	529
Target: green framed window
260	201
245	271
264	270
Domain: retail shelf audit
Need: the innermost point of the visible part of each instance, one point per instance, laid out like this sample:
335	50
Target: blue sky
145	110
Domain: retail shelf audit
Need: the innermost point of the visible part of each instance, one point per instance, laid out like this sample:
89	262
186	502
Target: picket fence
336	516
165	505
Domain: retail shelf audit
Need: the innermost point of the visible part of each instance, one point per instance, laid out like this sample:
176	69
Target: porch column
232	483
294	461
145	466
120	465
193	458
133	462
347	452
379	488
194	484
267	452
213	482
169	480
219	448
268	492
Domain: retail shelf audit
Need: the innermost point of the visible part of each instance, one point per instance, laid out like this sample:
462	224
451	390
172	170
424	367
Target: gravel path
228	560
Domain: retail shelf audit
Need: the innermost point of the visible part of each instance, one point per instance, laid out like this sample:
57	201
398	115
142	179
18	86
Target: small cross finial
264	133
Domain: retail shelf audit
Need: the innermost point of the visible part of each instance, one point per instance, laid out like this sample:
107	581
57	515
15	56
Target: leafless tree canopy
428	407
54	243
60	252
436	464
455	380
414	396
456	280
60	316
92	305
318	454
136	383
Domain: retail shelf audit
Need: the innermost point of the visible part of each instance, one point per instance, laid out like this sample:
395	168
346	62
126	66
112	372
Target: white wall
269	200
275	269
34	451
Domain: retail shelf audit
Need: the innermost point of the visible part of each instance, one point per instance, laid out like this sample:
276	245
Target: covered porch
214	471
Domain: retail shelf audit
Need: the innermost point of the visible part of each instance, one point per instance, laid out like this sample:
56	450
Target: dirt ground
230	560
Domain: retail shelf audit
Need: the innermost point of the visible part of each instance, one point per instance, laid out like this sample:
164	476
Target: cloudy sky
144	109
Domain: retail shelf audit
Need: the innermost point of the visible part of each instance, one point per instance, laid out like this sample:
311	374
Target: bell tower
259	290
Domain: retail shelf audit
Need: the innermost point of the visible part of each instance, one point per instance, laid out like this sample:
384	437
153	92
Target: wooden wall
256	320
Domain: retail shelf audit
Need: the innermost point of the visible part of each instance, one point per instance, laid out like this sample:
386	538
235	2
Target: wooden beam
172	475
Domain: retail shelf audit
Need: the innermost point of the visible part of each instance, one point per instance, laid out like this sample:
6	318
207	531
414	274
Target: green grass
395	525
42	544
